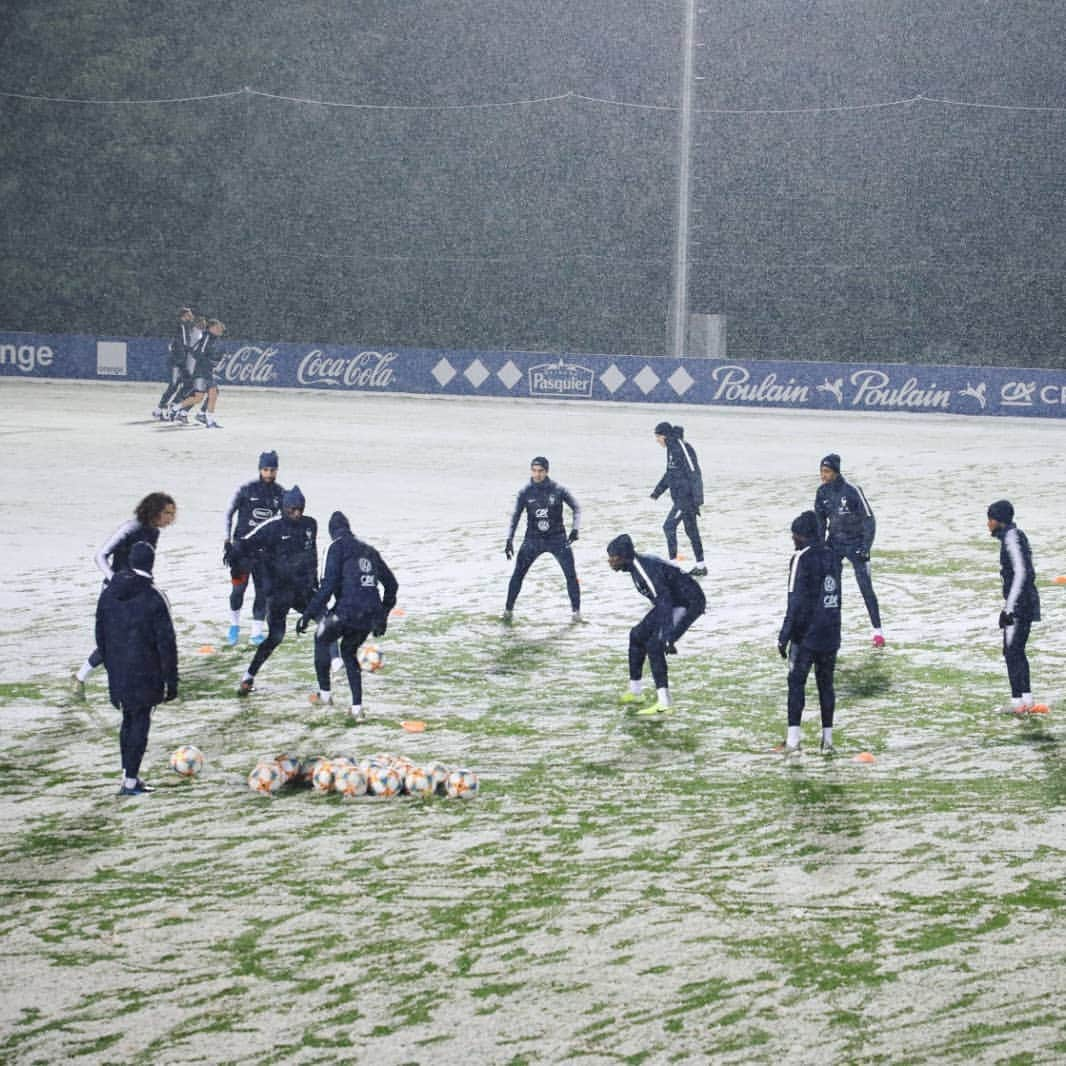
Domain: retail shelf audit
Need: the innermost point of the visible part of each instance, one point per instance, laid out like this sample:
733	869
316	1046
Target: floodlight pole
678	331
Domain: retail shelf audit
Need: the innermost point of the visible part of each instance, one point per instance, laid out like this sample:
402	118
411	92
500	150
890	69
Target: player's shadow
865	679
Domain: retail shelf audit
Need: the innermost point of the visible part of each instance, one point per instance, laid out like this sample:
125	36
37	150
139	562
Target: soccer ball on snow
266	778
383	781
370	658
349	781
322	778
461	784
187	760
417	782
289	765
438	775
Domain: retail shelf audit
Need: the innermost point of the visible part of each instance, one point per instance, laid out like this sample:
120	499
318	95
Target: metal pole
679	304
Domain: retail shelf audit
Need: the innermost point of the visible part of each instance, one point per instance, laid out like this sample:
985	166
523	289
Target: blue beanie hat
268	461
293	498
1002	511
539	460
806	526
622	545
832	460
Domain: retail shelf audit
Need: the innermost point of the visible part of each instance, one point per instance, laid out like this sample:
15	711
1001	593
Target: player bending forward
351	578
677	602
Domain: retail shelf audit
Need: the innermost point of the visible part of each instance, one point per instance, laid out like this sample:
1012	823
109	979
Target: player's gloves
508	549
1006	618
862	555
301	626
573	535
171	693
670	648
782	648
227	553
379	629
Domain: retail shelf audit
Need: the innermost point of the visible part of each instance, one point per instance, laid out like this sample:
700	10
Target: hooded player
684	479
677	601
810	633
351	577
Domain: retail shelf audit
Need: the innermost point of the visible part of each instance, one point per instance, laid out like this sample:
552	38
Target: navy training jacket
812	619
352	574
667	586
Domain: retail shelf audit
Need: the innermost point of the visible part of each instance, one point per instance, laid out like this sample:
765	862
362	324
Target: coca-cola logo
249	365
367	370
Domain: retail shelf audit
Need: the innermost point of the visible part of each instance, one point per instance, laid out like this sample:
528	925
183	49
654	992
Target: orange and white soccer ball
417	782
187	760
349	781
266	778
322	778
289	765
461	784
438	774
370	658
383	780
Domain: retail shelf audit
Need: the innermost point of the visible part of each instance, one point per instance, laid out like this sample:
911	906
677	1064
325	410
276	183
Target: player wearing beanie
684	479
253	503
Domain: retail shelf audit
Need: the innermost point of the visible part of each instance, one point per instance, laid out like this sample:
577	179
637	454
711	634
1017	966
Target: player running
177	355
684	479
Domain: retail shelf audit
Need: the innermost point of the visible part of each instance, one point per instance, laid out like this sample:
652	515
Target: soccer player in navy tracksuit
287	547
135	635
177	355
155	512
542	501
848	527
810	633
353	572
1021	602
253	503
206	356
677	602
684	479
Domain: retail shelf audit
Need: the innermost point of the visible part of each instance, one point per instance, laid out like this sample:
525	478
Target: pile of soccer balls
382	775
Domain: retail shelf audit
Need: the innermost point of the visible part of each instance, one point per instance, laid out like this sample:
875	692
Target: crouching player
351	577
677	602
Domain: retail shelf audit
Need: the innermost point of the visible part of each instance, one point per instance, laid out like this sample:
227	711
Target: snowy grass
622	890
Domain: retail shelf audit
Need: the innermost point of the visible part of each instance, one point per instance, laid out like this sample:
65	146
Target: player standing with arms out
542	500
253	503
351	577
287	545
810	633
135	635
1021	602
180	347
684	479
848	527
677	601
155	512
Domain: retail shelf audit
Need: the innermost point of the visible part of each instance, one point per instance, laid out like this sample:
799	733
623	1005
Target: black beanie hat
338	521
622	545
664	429
268	460
142	557
832	460
539	460
806	526
1001	511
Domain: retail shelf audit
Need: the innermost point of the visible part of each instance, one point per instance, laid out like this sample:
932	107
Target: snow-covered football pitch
621	890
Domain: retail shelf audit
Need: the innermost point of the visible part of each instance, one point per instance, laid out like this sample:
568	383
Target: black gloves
1006	618
782	648
379	629
573	536
171	693
227	553
670	648
862	555
301	626
508	549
